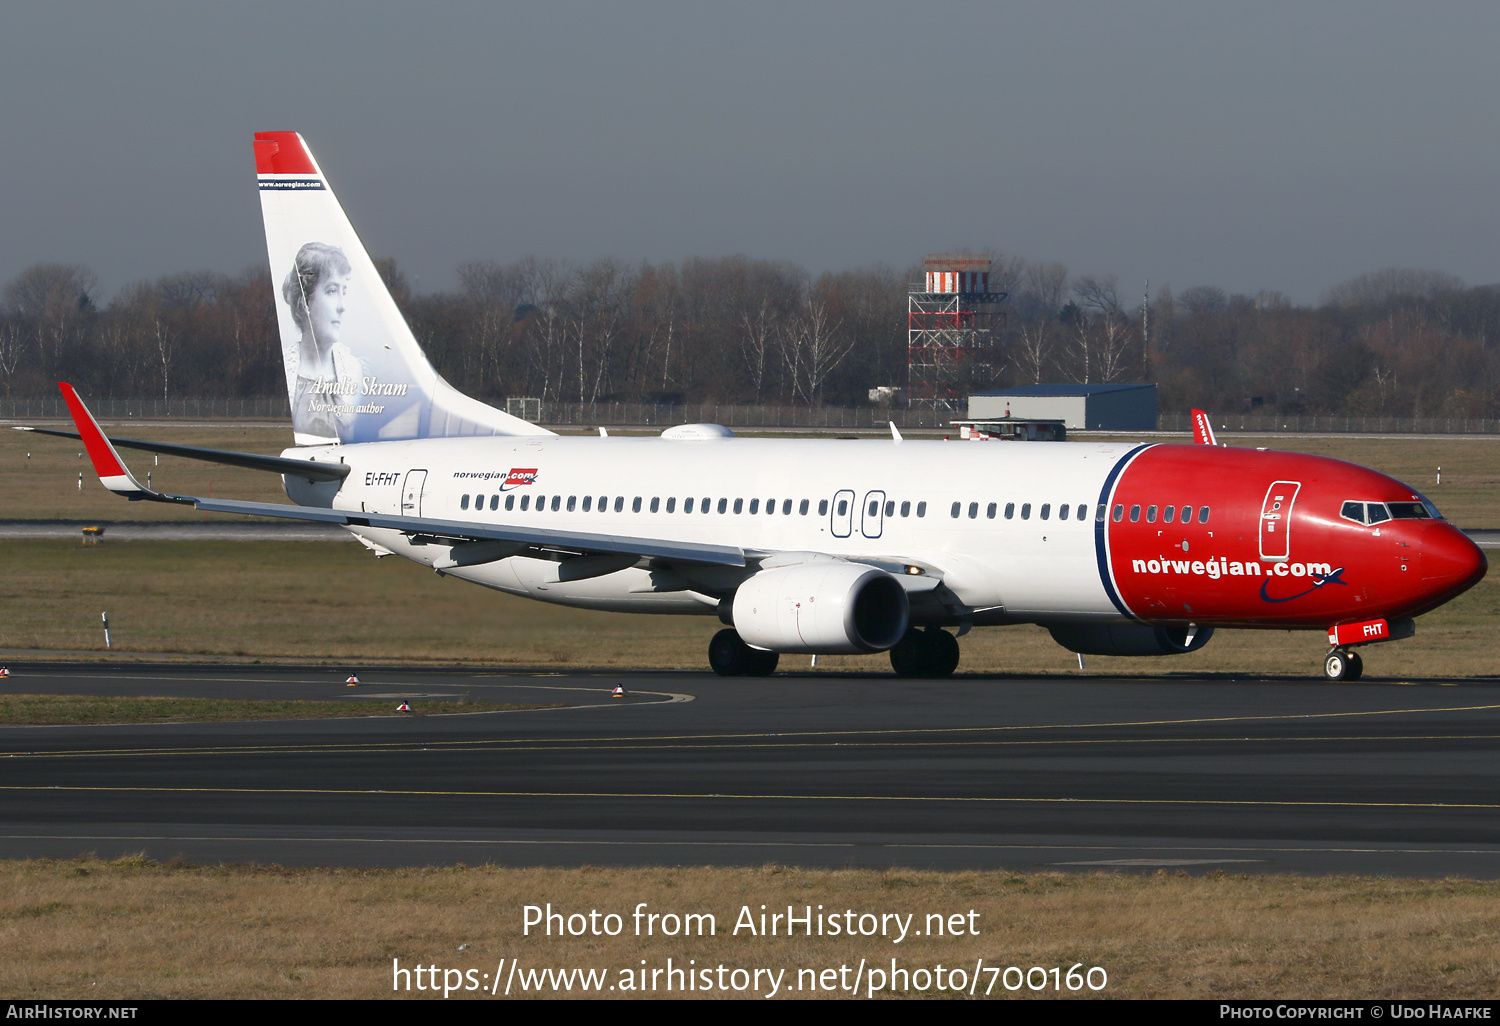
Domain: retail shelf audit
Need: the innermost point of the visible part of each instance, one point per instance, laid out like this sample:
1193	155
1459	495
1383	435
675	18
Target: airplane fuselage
994	533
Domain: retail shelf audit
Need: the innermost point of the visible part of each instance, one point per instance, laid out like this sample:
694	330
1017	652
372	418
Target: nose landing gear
1342	664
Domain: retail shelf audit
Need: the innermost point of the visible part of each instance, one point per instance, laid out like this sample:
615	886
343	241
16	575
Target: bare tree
812	346
759	332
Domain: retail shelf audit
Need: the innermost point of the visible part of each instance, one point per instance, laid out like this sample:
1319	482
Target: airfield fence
738	415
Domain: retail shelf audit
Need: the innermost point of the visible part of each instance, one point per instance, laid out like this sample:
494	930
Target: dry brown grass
336	602
135	929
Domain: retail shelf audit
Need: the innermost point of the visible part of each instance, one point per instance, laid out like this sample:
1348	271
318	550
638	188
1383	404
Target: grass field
91	929
336	603
45	487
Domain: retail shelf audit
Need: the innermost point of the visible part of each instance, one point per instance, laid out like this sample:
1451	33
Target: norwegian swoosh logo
1318	581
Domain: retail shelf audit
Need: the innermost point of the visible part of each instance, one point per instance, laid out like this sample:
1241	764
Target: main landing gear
1342	664
928	653
731	657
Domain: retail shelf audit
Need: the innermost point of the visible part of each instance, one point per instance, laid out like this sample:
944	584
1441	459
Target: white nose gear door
411	493
1276	520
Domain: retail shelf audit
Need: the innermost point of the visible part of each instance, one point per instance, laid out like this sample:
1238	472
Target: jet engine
1128	639
823	608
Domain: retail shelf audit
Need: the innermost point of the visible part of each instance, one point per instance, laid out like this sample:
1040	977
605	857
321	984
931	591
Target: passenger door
872	514
1276	520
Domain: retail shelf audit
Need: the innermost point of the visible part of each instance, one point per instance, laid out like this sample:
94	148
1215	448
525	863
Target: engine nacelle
824	608
1127	639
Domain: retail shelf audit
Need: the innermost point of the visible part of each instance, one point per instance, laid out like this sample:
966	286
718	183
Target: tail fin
354	372
1203	429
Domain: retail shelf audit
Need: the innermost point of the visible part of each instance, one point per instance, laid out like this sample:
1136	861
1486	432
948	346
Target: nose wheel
1342	664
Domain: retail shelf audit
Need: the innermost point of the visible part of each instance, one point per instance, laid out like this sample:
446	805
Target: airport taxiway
1239	774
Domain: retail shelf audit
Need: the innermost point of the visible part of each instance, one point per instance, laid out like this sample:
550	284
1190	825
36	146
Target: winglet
1203	429
895	434
113	474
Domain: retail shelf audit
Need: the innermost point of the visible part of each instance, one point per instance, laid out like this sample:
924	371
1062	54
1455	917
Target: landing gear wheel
909	655
731	657
761	663
1337	665
1356	667
728	653
942	653
929	653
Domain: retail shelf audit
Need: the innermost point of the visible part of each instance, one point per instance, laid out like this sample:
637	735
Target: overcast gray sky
1255	146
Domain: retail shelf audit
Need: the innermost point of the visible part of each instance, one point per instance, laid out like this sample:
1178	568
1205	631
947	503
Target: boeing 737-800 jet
806	546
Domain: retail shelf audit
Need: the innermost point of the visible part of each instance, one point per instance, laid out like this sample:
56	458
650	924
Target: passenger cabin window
973	510
1202	514
890	509
619	503
1046	510
921	509
495	501
954	511
635	504
1083	511
1062	511
723	505
510	502
754	506
989	511
1187	514
588	503
1119	513
1025	511
1010	511
802	507
655	504
572	502
906	508
1168	514
786	507
843	507
672	504
739	505
687	505
525	502
463	502
822	507
1135	514
1099	513
1150	514
556	502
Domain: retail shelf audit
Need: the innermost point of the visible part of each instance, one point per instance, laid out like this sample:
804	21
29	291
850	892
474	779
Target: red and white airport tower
953	324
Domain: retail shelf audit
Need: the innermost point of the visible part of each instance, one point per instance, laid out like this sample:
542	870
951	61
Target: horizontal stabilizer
310	469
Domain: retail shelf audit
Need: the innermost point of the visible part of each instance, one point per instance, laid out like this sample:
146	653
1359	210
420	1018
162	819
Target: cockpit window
1408	511
1376	513
1354	511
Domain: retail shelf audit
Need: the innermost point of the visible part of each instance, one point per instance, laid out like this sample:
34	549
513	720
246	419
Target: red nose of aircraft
1450	562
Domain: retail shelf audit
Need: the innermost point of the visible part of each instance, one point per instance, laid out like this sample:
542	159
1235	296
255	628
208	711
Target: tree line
734	329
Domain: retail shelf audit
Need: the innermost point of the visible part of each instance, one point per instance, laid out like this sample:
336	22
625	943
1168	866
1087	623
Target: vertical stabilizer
354	372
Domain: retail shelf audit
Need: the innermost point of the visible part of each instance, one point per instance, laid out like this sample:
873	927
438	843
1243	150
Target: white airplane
805	546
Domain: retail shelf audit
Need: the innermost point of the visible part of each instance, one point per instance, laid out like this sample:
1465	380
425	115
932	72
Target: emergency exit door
411	493
1276	520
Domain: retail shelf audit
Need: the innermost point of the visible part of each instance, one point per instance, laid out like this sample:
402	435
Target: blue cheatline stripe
1105	497
289	185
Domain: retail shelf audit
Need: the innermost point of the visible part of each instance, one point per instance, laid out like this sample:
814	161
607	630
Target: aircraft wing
115	476
313	470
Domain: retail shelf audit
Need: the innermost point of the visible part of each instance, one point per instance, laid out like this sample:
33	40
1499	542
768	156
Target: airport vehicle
799	545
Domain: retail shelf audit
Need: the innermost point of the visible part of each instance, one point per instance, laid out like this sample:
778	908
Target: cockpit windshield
1372	513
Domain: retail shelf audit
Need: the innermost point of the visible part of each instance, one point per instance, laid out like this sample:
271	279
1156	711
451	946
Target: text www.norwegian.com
511	977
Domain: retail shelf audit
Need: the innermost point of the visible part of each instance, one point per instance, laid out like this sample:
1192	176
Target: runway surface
1244	775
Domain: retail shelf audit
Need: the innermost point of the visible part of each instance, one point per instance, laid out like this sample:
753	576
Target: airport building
1077	407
